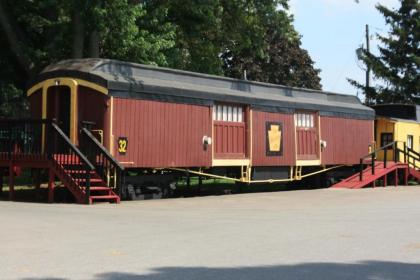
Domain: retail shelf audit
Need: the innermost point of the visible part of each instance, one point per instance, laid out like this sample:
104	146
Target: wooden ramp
369	179
404	161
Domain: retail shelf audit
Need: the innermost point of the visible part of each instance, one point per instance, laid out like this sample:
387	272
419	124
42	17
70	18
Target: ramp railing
410	157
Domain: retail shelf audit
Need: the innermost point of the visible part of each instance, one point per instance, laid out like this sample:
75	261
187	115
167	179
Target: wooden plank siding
89	99
229	140
259	156
162	134
347	140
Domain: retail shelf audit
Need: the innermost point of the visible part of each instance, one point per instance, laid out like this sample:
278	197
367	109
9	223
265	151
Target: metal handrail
73	147
72	157
104	162
406	152
102	148
372	155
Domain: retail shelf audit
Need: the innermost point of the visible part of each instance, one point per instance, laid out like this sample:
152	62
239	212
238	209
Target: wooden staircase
374	170
88	171
86	185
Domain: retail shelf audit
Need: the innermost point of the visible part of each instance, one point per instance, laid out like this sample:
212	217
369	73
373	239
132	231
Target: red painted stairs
74	177
381	172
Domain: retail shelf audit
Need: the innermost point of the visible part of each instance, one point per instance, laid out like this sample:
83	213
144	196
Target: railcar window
227	113
304	120
410	141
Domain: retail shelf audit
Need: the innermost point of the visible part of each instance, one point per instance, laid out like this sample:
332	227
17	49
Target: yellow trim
44	116
319	137
250	135
230	162
212	132
111	127
294	131
73	85
313	162
62	81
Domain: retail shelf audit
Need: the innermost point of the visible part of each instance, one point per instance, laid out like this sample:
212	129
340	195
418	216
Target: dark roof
132	80
398	111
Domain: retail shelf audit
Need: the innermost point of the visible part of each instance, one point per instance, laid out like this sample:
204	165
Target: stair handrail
409	155
54	150
101	151
73	147
372	155
407	152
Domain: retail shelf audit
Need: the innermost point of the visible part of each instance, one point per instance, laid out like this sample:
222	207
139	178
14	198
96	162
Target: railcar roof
399	112
130	80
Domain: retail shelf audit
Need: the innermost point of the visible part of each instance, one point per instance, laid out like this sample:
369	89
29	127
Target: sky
331	32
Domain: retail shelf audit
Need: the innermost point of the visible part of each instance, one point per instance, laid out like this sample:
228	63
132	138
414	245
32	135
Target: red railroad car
158	122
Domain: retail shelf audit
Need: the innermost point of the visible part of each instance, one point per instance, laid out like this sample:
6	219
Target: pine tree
397	65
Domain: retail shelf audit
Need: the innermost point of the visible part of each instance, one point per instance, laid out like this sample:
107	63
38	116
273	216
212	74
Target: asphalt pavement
370	234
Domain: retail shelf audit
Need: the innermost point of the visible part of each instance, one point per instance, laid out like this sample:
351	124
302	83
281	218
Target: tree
271	51
34	34
222	37
397	65
198	35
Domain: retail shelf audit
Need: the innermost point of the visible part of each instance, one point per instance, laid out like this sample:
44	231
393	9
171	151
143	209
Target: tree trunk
78	35
94	44
15	44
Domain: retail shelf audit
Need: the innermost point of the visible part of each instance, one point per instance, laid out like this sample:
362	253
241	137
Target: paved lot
322	234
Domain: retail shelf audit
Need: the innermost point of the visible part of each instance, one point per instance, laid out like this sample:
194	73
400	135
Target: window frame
410	137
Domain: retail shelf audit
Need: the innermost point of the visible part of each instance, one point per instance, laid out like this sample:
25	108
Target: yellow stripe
314	162
231	162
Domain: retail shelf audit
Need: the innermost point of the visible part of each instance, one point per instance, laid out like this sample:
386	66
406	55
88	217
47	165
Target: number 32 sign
122	145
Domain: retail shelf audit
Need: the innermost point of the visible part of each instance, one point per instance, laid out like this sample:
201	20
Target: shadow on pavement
367	270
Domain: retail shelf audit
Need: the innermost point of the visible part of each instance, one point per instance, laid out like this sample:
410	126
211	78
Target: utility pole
367	85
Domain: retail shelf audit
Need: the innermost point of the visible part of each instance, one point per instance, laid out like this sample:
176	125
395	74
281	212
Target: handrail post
87	191
373	163
10	142
405	152
396	155
361	170
385	156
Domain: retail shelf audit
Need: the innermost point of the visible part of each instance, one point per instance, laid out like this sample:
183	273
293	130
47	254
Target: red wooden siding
229	140
259	157
161	134
347	140
93	106
307	143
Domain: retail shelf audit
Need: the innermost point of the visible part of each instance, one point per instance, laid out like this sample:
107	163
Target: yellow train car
397	122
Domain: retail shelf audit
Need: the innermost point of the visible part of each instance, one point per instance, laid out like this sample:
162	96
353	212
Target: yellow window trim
315	162
231	162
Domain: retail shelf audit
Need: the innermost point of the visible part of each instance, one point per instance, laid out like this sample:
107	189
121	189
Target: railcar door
229	131
307	138
58	109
